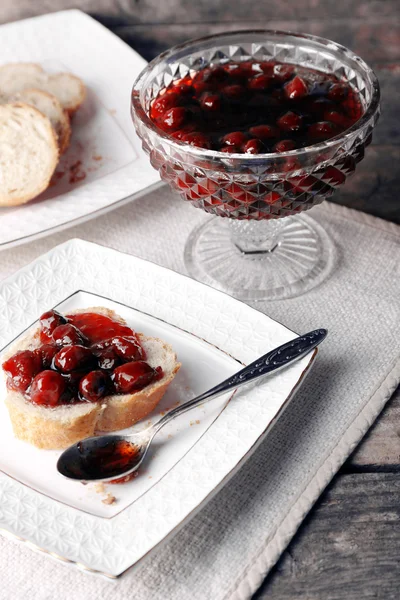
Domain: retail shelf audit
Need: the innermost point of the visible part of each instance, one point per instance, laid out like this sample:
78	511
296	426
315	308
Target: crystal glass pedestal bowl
260	245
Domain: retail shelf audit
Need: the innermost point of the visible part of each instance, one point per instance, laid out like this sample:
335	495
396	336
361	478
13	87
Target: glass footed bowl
258	246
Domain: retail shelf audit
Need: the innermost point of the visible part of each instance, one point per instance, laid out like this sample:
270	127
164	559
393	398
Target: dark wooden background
349	546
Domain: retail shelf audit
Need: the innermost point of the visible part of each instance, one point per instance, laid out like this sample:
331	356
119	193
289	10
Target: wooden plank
369	30
377	42
374	186
10	10
187	11
380	449
388	129
349	549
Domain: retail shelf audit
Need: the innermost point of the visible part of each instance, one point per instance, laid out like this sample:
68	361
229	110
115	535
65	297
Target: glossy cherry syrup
82	357
107	459
256	107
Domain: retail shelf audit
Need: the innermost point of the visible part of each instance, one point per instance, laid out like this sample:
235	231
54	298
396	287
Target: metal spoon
107	457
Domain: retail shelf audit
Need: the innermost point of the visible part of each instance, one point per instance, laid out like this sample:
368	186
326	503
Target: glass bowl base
295	256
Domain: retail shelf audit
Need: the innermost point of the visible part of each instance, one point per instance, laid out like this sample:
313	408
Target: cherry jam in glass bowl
255	126
256	108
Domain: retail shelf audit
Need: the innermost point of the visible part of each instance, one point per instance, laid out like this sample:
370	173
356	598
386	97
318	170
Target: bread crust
59	427
63	126
46	433
72	106
17	196
32	75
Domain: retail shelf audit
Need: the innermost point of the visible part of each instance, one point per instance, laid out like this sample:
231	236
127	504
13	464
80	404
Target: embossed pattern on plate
113	545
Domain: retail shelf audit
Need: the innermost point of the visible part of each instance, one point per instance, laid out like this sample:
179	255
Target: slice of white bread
59	427
16	77
51	107
28	153
69	89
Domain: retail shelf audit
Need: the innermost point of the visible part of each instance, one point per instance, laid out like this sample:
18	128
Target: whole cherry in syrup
133	376
72	358
82	358
48	322
21	368
94	386
67	334
48	388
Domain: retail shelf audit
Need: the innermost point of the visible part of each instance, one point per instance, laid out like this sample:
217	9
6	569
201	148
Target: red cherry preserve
81	358
253	108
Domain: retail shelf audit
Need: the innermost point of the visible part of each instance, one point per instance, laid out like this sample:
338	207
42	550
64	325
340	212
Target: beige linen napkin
227	549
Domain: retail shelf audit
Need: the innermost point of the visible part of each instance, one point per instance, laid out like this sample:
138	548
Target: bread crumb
113	111
150	477
169	436
109	499
99	488
197	422
76	172
97	157
125	478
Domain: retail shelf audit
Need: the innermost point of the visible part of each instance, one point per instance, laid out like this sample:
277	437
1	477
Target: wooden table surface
349	546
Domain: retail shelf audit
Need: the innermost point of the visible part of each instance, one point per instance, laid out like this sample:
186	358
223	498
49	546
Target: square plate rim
184	520
76	13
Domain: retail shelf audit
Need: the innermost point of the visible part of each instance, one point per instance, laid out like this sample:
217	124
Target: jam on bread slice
84	372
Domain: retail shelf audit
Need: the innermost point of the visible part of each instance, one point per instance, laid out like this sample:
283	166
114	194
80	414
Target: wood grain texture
211	11
374	188
380	448
376	41
348	548
14	10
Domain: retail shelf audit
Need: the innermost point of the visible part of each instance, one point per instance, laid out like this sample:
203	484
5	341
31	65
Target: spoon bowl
104	457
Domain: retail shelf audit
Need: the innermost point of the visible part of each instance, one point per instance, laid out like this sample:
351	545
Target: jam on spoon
102	459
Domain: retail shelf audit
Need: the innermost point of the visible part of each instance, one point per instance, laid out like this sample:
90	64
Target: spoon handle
272	361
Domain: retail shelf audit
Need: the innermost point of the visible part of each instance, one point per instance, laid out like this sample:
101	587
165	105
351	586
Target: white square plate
113	167
192	458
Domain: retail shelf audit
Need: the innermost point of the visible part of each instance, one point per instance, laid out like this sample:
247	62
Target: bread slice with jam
57	417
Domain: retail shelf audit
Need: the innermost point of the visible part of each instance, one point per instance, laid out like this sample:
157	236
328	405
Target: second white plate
104	166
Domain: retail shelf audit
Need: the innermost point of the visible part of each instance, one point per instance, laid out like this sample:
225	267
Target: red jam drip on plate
82	358
256	107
